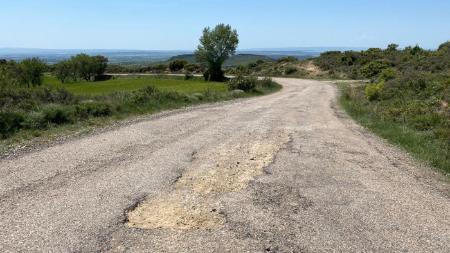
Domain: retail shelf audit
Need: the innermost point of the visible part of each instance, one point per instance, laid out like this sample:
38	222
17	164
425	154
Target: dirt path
286	172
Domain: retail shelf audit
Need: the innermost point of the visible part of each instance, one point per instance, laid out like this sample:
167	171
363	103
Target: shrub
374	68
177	65
159	68
188	76
242	83
10	122
62	96
267	82
373	91
443	133
287	59
425	121
81	66
388	74
193	68
290	70
30	72
144	95
96	109
35	120
58	115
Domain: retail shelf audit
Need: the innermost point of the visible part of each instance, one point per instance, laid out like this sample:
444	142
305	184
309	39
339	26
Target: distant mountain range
152	56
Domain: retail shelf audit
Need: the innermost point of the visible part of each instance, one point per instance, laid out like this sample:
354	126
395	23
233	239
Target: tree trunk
215	72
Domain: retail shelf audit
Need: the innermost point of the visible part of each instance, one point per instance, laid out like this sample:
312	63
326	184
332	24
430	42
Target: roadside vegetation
32	111
38	100
404	97
406	100
133	83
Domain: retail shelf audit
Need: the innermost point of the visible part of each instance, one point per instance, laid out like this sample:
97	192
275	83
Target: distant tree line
175	66
29	72
81	67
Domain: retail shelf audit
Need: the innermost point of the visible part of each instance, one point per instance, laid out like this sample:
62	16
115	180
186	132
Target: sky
177	24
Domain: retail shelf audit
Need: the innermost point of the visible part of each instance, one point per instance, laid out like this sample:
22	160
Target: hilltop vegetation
284	67
406	100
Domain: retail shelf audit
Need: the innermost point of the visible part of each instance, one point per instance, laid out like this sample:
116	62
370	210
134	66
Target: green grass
131	83
43	114
421	144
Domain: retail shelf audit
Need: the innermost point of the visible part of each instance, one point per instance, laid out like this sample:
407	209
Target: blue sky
177	24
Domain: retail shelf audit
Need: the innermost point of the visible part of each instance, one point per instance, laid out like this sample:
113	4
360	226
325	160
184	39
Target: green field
42	113
135	83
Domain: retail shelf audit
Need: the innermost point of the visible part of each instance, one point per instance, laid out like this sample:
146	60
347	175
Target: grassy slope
136	83
422	145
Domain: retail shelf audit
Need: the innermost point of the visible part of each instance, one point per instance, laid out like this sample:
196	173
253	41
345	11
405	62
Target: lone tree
216	46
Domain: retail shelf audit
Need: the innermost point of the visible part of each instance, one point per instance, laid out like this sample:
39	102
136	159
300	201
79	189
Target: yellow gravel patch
194	202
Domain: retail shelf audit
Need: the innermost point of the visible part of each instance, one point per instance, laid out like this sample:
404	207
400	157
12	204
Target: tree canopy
81	66
216	46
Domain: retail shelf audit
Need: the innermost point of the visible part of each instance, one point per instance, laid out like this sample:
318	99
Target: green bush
374	68
177	65
10	122
35	120
246	84
443	132
192	68
267	82
158	68
290	70
30	72
58	115
388	74
144	95
287	59
81	66
95	109
373	91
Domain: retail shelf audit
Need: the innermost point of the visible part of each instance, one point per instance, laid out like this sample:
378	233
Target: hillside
239	59
407	99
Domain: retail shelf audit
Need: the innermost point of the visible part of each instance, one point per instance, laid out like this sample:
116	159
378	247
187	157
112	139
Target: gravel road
288	172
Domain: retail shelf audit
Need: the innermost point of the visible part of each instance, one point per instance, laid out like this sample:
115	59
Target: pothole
174	211
195	201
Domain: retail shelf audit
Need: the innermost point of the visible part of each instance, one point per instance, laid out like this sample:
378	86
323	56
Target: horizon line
185	50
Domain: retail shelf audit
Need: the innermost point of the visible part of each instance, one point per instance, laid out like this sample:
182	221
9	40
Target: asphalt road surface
287	172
